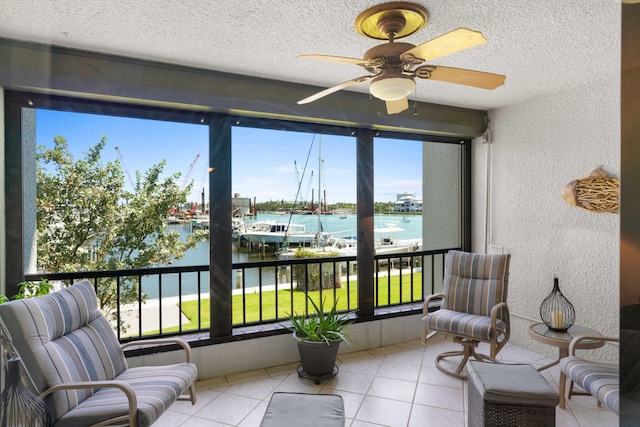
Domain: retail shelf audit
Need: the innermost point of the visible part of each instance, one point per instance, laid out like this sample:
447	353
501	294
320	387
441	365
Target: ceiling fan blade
446	44
339	59
398	106
466	77
335	89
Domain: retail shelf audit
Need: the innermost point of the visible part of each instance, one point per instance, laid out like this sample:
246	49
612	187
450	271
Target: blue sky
262	160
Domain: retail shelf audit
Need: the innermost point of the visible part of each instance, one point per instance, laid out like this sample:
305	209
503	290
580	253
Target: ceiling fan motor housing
392	85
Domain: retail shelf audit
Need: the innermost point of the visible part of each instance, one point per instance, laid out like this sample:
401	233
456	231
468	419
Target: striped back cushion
474	283
62	338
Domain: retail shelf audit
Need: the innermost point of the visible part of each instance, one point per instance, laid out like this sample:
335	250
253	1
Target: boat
237	228
200	222
388	241
271	232
172	219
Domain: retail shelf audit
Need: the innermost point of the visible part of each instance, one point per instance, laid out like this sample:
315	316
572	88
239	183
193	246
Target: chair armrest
126	389
162	341
576	341
495	311
427	300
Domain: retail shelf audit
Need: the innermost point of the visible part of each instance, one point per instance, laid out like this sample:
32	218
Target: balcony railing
175	300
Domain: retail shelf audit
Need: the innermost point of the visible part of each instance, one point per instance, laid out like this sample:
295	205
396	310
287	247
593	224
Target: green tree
86	220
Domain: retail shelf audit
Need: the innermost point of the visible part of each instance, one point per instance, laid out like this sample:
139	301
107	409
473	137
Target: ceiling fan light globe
392	89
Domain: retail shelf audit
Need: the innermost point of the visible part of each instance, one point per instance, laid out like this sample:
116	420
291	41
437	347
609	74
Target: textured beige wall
536	148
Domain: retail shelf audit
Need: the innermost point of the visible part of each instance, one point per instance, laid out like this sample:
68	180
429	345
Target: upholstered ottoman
301	409
509	395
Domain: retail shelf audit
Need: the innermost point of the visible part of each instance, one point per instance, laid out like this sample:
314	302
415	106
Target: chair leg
189	394
468	351
192	392
561	389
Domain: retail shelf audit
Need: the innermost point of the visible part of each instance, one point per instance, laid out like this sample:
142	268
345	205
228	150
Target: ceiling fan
394	66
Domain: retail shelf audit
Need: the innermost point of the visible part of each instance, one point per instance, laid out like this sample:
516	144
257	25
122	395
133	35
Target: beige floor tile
385	412
565	418
171	419
400	371
356	355
358	423
395	385
204	397
411	357
298	385
595	418
351	401
217	382
228	408
247	376
366	365
432	416
438	396
389	388
255	417
258	389
349	381
383	351
201	422
432	375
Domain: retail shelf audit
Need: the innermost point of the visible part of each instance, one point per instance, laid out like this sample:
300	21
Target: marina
341	231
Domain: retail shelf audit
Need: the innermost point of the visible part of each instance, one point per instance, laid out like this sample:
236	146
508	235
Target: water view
410	227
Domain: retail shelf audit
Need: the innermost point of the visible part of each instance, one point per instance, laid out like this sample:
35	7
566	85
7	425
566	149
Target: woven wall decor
597	192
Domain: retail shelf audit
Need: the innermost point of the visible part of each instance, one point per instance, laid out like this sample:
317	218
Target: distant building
407	202
240	206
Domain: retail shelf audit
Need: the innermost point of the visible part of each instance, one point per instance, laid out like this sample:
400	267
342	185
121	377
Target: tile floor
396	385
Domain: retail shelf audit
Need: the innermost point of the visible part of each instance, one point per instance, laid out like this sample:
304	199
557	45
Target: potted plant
319	336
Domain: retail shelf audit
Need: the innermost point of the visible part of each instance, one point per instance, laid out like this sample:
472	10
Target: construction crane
306	194
188	174
125	168
298	183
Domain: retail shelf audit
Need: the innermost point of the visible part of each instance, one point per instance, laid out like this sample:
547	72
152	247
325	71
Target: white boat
278	232
171	219
200	223
387	242
237	227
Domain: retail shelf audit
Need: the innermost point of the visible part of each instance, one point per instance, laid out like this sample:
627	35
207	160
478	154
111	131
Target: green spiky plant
320	326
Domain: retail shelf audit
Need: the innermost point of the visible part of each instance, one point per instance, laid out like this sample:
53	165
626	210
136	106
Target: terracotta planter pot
318	359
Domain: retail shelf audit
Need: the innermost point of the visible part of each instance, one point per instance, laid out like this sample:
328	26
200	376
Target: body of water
411	226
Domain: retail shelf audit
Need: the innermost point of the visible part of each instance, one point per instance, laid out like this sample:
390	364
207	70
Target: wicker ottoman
301	409
509	395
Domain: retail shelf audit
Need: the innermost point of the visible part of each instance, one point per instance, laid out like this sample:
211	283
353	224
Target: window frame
220	191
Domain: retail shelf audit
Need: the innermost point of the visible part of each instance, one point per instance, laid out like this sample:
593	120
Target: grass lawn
278	305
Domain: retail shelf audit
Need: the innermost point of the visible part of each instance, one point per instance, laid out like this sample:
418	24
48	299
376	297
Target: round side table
540	332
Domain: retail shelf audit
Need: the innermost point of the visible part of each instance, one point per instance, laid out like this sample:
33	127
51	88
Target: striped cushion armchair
474	307
599	379
71	357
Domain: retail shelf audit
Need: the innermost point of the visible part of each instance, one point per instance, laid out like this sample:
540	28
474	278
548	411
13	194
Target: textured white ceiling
542	47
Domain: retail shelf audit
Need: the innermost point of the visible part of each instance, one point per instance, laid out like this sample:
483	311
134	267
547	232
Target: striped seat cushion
63	338
471	325
599	379
474	283
156	388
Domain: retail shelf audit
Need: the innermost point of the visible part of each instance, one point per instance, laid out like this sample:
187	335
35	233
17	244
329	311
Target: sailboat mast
319	187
